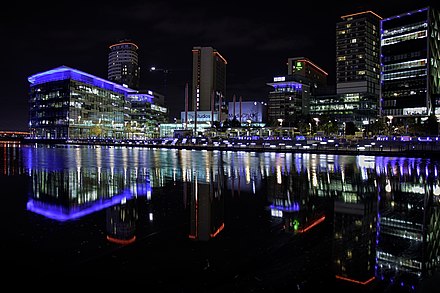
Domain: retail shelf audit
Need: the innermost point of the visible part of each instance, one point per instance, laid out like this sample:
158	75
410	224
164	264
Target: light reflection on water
379	215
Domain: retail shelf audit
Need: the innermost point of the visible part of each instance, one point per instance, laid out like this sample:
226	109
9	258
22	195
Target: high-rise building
123	64
208	80
358	64
410	60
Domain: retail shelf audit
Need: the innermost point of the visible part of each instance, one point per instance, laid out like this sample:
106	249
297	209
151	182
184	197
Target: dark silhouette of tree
350	128
432	125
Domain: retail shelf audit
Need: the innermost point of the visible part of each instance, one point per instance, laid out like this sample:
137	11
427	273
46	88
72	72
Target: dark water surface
202	221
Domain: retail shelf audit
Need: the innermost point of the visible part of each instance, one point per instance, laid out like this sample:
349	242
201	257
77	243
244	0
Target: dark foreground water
199	221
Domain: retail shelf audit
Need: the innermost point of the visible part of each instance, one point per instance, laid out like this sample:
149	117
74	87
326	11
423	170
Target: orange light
355	281
313	64
312	225
218	230
125	43
363	12
224	60
121	241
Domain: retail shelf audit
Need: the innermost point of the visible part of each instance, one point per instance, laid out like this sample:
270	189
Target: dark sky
256	39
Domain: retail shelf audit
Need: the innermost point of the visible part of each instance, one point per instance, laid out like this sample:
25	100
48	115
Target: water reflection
206	202
379	215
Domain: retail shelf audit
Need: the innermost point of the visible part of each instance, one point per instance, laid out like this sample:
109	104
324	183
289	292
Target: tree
350	128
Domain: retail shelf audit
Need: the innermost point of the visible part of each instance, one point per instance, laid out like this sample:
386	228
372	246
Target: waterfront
221	221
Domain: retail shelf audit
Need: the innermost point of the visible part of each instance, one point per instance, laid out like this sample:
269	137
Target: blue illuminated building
288	99
410	61
66	103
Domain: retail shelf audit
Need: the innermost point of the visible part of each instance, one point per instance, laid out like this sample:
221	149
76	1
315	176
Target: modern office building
66	103
410	60
123	64
358	64
307	72
147	112
288	100
208	80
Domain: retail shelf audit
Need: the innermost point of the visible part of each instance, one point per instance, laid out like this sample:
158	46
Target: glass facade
410	60
288	100
69	104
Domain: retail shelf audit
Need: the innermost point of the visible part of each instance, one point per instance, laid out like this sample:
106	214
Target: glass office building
66	103
410	60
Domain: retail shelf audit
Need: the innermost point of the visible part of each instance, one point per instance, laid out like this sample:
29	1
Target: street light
390	123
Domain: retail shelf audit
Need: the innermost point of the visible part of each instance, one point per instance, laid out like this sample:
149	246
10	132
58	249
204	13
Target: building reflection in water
11	162
408	232
206	204
62	193
383	212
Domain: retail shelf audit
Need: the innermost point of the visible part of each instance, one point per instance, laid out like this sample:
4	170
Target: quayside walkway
425	147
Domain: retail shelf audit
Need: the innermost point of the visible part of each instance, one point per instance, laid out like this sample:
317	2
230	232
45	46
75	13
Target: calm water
199	221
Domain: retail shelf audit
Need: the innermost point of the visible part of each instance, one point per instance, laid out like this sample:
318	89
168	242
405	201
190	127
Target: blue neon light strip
60	213
404	14
64	72
294	207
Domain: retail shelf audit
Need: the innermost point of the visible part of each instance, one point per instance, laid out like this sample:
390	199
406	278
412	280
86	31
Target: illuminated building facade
358	65
306	72
288	99
123	67
147	113
410	60
208	79
255	112
66	103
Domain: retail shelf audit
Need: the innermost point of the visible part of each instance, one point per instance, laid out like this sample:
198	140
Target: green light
295	224
298	65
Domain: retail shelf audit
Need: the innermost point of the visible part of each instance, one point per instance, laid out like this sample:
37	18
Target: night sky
256	39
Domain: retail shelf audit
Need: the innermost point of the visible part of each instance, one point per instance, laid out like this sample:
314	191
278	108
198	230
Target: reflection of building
292	202
63	191
66	195
206	207
355	230
123	65
410	58
408	241
121	222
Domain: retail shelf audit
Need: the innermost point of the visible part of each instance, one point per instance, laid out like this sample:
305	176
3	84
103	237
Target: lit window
353	40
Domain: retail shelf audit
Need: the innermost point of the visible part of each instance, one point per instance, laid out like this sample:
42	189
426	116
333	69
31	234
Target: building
146	111
288	100
410	60
208	80
248	112
66	103
123	64
358	64
307	72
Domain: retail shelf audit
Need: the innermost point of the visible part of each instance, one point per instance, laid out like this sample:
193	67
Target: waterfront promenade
419	147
